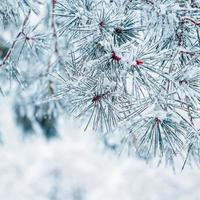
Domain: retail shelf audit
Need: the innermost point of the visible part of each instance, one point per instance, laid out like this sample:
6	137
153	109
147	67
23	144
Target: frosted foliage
127	71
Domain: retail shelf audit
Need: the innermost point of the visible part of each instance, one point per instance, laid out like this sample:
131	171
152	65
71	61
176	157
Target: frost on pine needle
110	64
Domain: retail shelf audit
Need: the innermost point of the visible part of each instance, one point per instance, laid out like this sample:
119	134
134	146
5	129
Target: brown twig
191	20
53	25
7	56
187	52
55	36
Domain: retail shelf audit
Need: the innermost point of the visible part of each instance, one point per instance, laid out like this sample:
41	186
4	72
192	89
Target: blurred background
77	165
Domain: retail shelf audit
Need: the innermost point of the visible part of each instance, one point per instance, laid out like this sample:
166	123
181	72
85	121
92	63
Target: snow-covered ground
77	167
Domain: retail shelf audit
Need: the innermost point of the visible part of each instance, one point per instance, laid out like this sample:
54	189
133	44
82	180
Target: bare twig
191	20
7	56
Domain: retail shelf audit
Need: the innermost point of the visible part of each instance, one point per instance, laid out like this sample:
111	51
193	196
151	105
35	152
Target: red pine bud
102	24
96	98
157	120
139	62
115	57
183	82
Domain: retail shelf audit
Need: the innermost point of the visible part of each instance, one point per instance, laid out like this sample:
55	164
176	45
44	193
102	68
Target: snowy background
76	166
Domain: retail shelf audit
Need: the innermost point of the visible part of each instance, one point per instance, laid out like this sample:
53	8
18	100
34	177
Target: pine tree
124	67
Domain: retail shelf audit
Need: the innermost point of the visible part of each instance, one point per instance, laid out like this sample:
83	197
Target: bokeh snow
76	166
